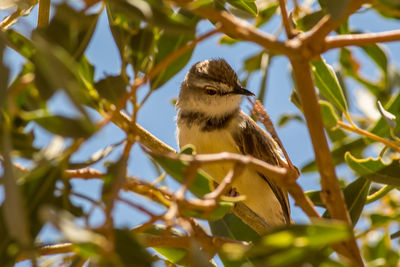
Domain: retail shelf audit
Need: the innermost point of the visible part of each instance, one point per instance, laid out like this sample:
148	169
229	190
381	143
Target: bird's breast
207	142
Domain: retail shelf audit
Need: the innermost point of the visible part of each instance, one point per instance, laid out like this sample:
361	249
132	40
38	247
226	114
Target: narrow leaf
328	84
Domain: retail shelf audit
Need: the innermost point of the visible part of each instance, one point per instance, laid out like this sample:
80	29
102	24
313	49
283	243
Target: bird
209	117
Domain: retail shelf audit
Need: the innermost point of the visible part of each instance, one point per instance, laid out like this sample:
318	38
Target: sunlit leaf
329	116
266	14
328	84
389	117
375	169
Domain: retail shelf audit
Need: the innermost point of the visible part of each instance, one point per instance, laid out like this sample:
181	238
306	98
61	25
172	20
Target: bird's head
211	87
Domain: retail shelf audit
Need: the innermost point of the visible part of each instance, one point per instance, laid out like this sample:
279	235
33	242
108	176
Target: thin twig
370	135
285	19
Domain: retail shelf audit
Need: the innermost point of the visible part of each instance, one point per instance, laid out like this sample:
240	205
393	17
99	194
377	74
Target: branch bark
361	39
331	193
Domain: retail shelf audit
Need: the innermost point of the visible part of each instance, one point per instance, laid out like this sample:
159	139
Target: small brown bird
210	118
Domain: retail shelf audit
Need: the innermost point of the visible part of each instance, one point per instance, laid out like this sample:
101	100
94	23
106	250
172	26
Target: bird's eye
210	90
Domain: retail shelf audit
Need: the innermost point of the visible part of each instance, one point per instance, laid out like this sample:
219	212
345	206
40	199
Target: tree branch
313	41
240	29
361	39
331	193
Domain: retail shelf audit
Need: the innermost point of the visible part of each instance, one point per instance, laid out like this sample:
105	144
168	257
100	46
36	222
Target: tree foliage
156	40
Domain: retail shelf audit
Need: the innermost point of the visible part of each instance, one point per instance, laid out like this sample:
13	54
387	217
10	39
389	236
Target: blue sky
157	115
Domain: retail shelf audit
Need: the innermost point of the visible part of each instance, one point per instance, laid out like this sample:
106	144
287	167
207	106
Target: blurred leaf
112	88
329	116
129	250
248	6
64	126
22	143
233	227
315	197
336	8
293	245
218	213
56	69
168	44
155	13
266	13
142	48
226	40
378	55
375	169
352	68
70	29
13	208
387	8
328	84
379	253
389	117
285	118
19	43
308	21
253	63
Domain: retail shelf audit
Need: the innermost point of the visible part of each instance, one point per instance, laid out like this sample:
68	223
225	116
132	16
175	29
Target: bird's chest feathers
207	142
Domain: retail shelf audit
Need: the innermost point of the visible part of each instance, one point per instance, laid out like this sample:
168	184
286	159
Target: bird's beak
242	91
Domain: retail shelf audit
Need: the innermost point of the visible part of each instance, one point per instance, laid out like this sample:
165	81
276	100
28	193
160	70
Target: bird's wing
252	140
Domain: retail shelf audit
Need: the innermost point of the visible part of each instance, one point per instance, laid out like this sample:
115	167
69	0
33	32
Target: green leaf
19	43
70	29
142	49
266	14
375	169
232	227
169	43
248	6
315	197
130	252
329	116
285	118
217	214
389	117
111	88
328	84
64	126
308	21
378	55
293	245
381	127
336	8
355	195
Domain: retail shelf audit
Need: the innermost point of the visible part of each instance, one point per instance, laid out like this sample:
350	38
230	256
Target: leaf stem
355	129
285	20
